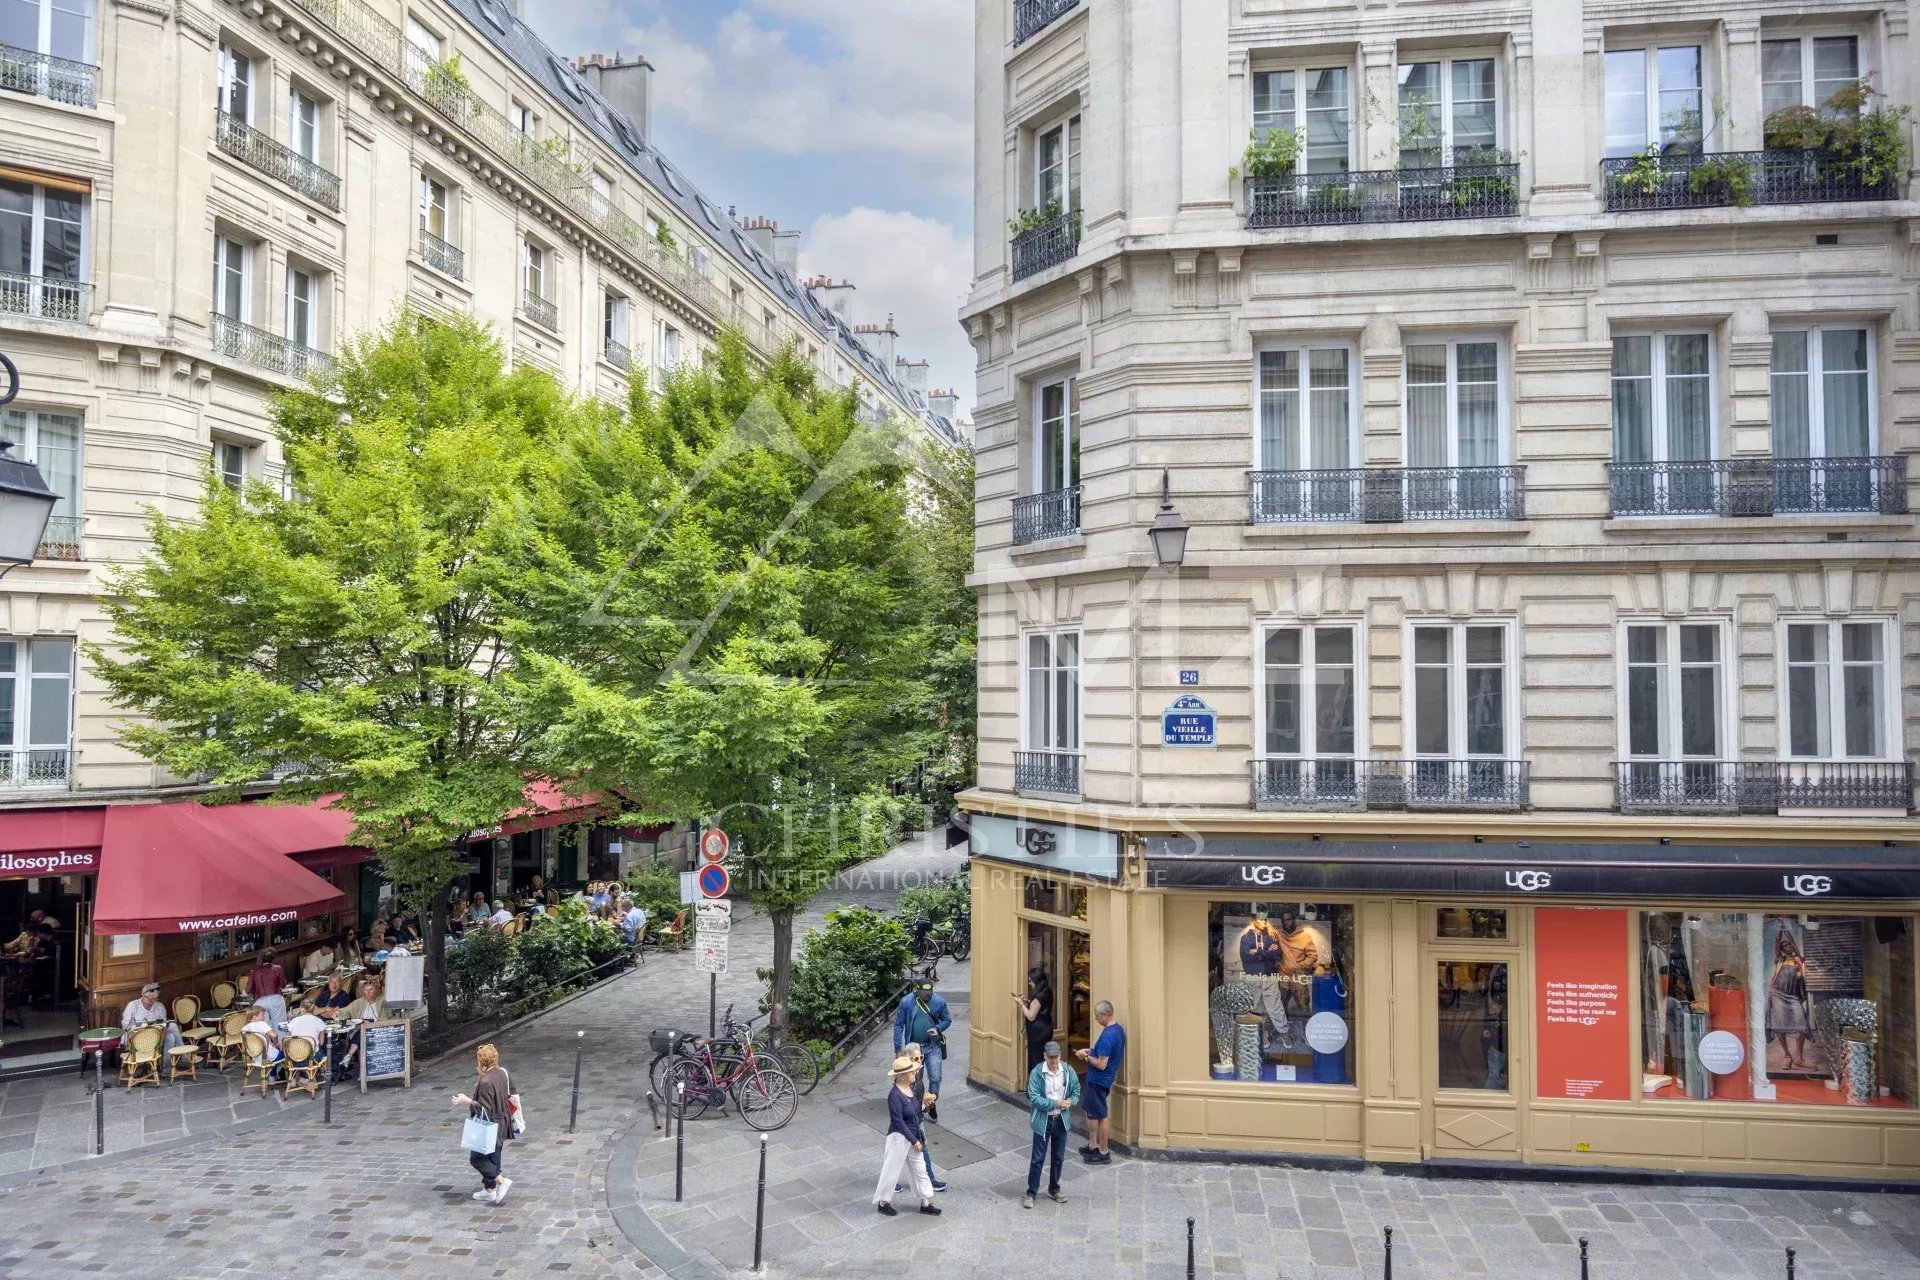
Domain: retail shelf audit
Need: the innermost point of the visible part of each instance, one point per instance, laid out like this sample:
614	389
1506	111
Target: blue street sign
1188	676
1189	722
713	880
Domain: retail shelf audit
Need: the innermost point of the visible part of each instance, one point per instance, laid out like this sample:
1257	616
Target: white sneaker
500	1189
483	1194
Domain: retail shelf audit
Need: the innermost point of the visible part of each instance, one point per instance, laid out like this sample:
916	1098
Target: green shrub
656	887
1273	156
846	967
476	968
544	958
1729	177
938	902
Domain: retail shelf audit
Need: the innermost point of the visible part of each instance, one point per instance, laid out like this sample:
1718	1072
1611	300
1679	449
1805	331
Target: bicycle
802	1063
714	1071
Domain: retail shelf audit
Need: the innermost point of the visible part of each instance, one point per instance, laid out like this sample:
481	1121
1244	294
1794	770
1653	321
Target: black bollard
1189	1249
1389	1270
1789	1264
680	1143
1583	1258
713	1005
579	1047
99	1102
327	1116
760	1203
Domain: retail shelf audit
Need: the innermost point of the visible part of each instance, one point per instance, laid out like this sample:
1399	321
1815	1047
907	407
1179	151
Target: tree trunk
782	969
437	962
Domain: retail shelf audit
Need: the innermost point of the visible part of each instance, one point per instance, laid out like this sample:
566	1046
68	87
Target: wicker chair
183	1060
140	1060
222	995
675	934
186	1016
254	1046
227	1046
304	1065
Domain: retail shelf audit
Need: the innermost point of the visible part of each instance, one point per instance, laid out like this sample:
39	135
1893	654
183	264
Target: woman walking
906	1134
490	1101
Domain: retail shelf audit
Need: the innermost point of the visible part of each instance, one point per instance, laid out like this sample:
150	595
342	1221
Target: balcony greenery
1034	219
1273	156
1852	129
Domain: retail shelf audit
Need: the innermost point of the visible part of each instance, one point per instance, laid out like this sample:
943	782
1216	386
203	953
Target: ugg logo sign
1035	841
1807	886
1528	881
1263	874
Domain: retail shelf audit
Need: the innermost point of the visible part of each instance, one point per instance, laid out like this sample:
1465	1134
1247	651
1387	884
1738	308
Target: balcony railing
258	151
1741	786
1388	495
1760	487
1682	180
61	541
35	767
266	350
1299	784
1031	17
45	298
542	311
445	258
1384	195
1047	245
619	356
1040	516
45	76
1392	784
1057	772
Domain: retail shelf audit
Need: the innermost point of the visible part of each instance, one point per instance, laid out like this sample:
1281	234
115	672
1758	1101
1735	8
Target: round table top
212	1016
101	1033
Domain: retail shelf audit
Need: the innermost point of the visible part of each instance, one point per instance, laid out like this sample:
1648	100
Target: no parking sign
714	880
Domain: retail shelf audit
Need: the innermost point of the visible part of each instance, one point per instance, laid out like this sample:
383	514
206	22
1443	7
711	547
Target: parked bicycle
802	1063
722	1069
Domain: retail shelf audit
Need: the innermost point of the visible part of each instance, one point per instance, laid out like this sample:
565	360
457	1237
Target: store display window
1755	1007
1485	923
1279	992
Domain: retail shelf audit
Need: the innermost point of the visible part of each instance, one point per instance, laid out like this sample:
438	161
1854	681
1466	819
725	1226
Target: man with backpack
922	1019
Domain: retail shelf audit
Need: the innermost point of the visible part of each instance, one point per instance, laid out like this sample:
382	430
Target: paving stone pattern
386	1188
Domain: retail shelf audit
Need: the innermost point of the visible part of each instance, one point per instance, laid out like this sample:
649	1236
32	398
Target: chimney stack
835	295
626	83
911	374
944	404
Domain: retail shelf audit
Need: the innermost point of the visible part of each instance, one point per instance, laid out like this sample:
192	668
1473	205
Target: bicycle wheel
961	945
800	1062
766	1096
699	1082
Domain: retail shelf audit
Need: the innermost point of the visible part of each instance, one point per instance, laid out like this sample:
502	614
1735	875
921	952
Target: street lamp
25	501
1168	531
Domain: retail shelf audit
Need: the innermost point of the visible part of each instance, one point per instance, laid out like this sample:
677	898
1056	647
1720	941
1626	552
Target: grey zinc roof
539	63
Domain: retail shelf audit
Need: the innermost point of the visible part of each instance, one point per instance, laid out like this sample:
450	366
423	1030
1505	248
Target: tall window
1315	103
525	123
1822	393
617	320
1837	689
235	91
1306	409
62	28
435	209
230	463
1056	437
423	41
1449	112
1655	96
36	708
1662	398
303	125
51	441
1454	404
40	236
534	268
1056	166
1052	719
303	306
1309	692
1676	681
668	344
701	260
1805	71
602	185
231	296
1460	693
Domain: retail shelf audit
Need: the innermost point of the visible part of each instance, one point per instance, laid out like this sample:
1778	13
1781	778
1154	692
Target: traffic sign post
714	845
712	923
714	880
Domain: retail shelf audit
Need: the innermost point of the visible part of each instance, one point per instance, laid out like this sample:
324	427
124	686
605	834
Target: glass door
1065	957
1472	1032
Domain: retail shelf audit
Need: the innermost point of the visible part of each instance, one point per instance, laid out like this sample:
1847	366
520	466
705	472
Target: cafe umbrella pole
327	1116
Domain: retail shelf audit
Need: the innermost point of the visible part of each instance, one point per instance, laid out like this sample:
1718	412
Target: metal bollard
1583	1258
579	1047
760	1203
680	1143
1789	1264
1189	1249
327	1115
99	1102
1389	1270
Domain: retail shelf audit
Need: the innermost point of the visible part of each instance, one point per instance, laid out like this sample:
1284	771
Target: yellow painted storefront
1138	938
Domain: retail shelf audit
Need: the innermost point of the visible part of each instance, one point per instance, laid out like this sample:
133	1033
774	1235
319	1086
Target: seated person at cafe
319	962
377	938
599	894
400	930
365	1009
147	1011
346	947
335	996
538	889
24	944
501	916
258	1024
478	912
632	921
310	1024
265	982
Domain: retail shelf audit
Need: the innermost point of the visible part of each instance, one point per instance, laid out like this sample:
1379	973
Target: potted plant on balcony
1272	157
1851	135
1724	178
447	86
1481	181
1046	214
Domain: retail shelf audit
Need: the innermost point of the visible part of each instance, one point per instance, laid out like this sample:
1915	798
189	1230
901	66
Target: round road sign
714	880
714	844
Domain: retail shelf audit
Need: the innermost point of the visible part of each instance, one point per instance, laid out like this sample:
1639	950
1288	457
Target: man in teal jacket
1053	1089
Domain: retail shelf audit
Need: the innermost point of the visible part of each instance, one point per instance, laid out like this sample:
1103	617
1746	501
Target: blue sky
850	120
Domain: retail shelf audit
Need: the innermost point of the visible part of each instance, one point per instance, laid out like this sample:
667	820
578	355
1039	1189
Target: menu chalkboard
386	1052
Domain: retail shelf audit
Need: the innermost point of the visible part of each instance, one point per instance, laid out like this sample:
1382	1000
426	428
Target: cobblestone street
386	1188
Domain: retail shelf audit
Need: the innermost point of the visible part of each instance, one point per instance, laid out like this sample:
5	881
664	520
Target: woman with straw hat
905	1135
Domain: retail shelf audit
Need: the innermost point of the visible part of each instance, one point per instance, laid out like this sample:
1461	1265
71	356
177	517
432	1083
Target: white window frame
533	269
1297	114
669	344
240	451
305	122
602	185
1445	100
26	422
525	122
700	260
37	232
423	38
1071	133
429	183
1303	388
1503	379
1890	725
24	678
233	60
618	307
1070	433
1650	123
225	247
1264	628
1806	40
1816	383
1669	682
1657	399
1457	689
43	34
308	335
1029	734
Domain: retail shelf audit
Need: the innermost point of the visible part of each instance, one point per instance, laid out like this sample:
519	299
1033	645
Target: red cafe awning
313	834
187	868
50	842
547	806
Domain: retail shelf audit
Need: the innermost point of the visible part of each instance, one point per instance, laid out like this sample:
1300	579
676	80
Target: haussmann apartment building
1450	625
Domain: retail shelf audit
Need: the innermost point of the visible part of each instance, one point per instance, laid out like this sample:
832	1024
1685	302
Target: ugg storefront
1710	1008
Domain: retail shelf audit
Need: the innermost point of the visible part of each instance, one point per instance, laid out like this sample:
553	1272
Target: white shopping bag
479	1135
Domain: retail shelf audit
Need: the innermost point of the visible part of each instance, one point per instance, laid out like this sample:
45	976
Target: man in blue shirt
1103	1068
922	1019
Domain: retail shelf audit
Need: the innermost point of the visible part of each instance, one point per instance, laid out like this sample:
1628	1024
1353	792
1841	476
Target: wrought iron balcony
1300	784
35	767
1759	786
541	311
1689	180
1760	487
1047	245
1388	495
1057	772
258	151
1384	195
619	356
61	541
266	350
45	298
1031	17
1432	783
1040	516
445	258
45	76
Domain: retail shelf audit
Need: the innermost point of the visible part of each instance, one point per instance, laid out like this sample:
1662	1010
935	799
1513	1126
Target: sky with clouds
851	120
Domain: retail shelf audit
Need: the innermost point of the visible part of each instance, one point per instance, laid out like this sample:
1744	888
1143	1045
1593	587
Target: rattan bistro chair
222	995
227	1046
140	1060
186	1016
675	934
183	1060
254	1046
304	1065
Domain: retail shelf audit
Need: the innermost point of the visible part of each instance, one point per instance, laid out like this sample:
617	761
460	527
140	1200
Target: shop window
284	934
1278	991
1748	1007
1472	1026
248	941
210	948
1488	924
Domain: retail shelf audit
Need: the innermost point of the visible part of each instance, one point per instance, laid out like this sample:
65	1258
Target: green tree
945	519
355	628
726	583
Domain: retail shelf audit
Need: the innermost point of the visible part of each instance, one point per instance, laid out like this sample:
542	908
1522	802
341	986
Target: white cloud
914	267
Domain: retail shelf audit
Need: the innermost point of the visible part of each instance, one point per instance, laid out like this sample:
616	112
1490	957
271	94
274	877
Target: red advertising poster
1580	984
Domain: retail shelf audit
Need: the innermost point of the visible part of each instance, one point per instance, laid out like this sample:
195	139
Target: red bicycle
728	1067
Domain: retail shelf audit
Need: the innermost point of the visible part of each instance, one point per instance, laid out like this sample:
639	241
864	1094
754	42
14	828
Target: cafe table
97	1040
